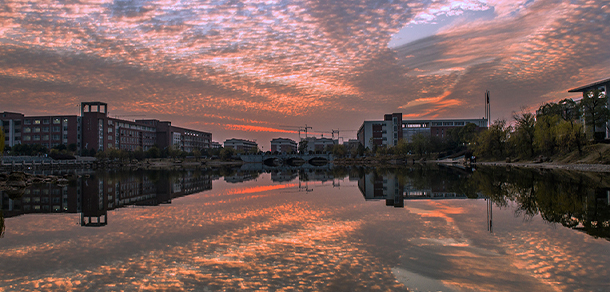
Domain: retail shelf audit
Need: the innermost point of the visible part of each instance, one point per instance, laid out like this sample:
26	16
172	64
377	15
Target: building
603	87
393	128
351	144
94	129
241	145
48	131
215	145
177	137
283	145
318	144
381	133
437	128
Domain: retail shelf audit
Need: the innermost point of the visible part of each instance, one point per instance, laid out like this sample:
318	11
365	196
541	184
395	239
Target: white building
241	145
318	144
283	145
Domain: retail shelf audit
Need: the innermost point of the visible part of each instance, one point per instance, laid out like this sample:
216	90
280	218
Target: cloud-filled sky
250	69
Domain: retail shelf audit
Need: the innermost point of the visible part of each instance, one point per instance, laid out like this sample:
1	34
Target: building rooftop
589	86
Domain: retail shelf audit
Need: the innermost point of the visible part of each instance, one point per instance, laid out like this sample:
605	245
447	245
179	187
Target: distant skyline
244	69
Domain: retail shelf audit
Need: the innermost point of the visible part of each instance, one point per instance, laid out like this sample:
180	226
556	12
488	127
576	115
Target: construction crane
299	129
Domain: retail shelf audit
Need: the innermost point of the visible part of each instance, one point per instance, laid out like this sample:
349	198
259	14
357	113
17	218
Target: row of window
43	137
44	129
43	121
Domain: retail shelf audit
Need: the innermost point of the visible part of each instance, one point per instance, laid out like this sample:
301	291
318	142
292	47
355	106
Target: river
424	228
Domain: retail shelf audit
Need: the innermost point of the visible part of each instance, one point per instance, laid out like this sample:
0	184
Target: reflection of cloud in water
295	248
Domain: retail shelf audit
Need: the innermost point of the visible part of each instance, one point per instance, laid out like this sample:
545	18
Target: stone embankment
15	183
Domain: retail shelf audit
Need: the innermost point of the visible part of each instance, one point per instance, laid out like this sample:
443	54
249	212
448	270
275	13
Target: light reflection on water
357	229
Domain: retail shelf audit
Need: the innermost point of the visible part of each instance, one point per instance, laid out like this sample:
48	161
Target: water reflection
575	200
309	229
94	195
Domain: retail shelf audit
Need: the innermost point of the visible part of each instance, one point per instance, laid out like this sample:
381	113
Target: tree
594	105
522	138
303	146
339	150
420	144
569	135
544	135
227	153
153	152
492	142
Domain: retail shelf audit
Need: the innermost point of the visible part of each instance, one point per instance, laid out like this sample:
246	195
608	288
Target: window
65	136
36	130
65	121
65	128
45	137
36	122
56	137
27	122
45	121
27	130
56	129
109	137
36	137
45	129
56	121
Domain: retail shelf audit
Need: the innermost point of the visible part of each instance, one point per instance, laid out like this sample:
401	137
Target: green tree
153	152
569	136
594	105
420	144
492	142
522	138
227	153
544	135
339	150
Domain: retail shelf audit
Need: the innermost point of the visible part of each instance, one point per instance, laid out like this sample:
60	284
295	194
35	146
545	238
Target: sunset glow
242	69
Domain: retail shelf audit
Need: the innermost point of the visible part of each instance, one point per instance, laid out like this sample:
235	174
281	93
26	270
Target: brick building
94	129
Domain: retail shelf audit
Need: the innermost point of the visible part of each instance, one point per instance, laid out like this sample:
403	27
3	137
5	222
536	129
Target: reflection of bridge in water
288	159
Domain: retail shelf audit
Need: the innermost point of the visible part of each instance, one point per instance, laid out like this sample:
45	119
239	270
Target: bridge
288	159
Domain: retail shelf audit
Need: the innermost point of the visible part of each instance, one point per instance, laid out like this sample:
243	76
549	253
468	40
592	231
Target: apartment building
241	145
284	145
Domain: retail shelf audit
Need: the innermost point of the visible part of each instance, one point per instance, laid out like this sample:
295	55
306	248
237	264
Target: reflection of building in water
94	196
241	177
283	176
394	190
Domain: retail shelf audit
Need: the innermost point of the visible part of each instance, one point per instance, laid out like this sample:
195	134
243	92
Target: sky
259	69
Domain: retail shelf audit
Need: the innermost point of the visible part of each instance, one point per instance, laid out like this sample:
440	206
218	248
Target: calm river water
328	229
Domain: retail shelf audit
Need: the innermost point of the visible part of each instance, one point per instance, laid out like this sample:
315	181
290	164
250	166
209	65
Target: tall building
241	145
381	133
94	129
393	128
284	145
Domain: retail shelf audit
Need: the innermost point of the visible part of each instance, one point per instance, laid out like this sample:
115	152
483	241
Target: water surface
330	229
